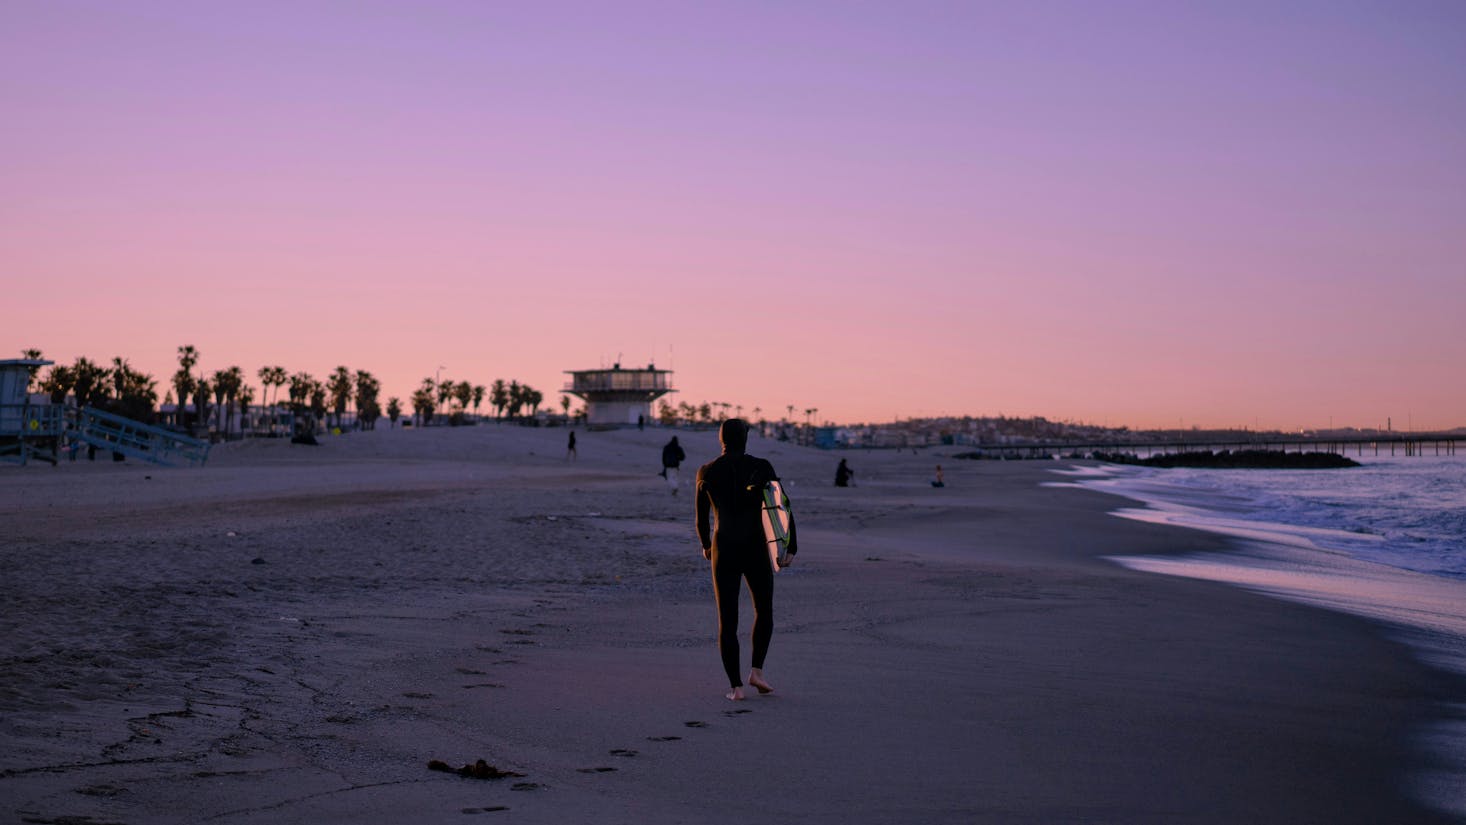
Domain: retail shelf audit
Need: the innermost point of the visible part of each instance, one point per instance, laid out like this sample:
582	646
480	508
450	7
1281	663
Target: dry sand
290	634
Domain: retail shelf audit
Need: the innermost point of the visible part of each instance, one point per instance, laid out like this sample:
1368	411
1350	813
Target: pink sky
1123	213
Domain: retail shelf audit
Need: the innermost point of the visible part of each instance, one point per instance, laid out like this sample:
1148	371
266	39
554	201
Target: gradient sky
1141	213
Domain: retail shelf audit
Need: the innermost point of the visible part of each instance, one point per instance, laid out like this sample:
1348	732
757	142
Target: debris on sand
478	770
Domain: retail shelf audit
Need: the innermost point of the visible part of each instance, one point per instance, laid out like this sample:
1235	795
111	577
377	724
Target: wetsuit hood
733	435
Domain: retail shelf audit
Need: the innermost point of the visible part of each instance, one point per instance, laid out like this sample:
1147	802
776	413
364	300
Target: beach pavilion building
618	397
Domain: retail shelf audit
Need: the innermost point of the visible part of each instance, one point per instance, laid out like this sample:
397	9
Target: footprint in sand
468	671
484	685
487	810
696	724
663	738
627	752
732	713
527	786
595	770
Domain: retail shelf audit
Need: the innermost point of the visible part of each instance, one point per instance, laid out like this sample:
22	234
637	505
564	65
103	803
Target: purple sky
1217	214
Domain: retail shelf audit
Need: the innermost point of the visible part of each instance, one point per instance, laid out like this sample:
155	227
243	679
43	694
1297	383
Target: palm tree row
708	412
453	399
120	388
135	394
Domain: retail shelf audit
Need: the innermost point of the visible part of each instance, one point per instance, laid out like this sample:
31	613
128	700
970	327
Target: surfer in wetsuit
730	495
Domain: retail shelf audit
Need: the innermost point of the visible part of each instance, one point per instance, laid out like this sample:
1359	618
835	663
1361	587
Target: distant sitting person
672	456
938	482
843	474
305	433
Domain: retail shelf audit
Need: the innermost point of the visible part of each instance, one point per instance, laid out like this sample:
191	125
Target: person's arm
704	512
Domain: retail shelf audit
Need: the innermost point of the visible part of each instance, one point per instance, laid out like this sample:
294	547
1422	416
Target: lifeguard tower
618	397
29	425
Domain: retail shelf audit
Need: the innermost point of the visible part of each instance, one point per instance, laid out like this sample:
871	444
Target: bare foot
756	678
736	695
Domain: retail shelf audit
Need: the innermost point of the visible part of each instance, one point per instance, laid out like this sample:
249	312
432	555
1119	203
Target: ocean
1385	540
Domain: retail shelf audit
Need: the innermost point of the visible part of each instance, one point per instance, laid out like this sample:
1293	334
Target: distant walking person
730	528
937	481
672	457
843	474
570	448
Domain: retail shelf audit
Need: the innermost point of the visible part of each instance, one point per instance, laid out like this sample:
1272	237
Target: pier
1406	444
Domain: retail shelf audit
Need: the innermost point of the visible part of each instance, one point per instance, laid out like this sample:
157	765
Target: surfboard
776	517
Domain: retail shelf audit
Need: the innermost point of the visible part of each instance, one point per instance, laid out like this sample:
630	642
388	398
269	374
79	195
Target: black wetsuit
730	488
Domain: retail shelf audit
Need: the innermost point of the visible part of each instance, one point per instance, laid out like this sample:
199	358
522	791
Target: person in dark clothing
730	527
672	456
843	474
570	448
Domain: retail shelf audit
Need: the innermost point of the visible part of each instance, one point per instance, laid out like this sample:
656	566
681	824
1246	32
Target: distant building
617	397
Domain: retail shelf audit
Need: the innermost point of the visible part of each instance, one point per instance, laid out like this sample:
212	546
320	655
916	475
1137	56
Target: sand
290	634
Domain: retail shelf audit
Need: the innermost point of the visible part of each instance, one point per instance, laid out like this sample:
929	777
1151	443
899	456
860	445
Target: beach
291	634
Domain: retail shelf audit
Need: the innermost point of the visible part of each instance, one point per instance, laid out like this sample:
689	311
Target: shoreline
940	656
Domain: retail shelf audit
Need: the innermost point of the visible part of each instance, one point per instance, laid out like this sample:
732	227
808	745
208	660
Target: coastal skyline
1228	216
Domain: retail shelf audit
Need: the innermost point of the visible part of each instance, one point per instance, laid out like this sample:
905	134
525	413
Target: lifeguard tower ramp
134	439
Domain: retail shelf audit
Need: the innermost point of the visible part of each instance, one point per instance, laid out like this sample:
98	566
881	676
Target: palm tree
34	370
367	408
339	386
478	397
58	383
137	393
318	400
201	391
246	395
273	377
227	385
119	372
221	389
499	397
422	401
463	394
183	381
444	393
394	410
565	405
516	398
300	390
88	380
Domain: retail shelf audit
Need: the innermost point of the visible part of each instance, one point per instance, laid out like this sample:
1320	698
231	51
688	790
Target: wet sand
291	634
